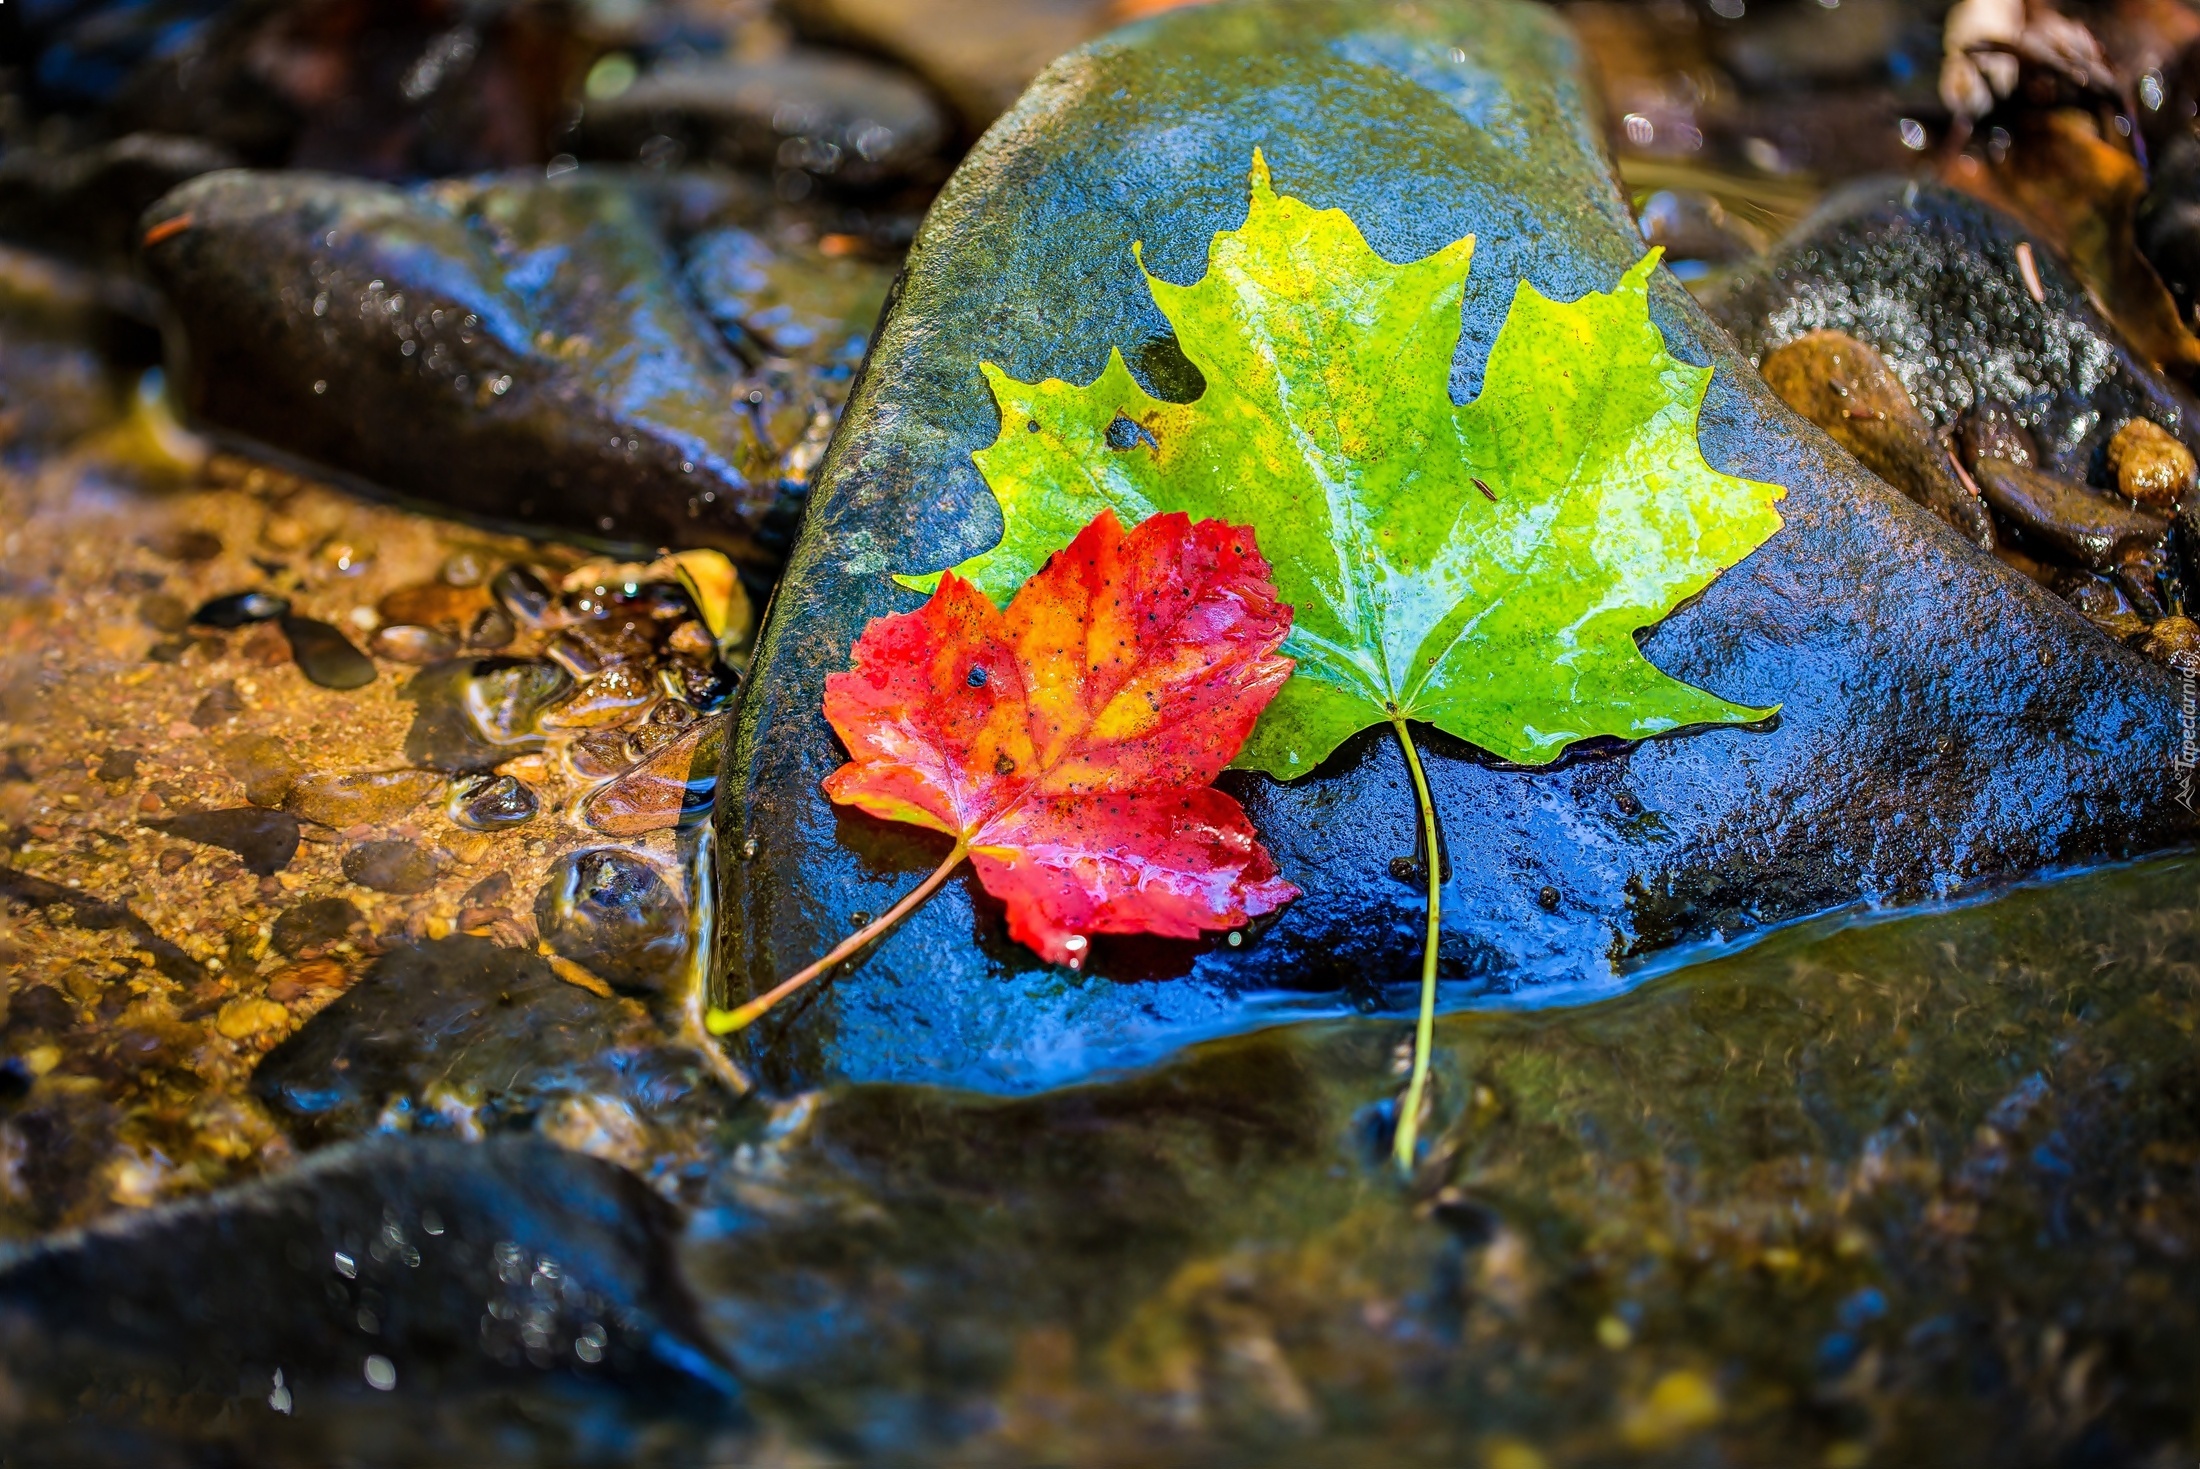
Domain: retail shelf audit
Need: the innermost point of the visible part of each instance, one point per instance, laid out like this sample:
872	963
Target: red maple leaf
1067	743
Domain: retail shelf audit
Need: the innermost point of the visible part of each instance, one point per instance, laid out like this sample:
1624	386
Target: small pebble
392	867
2175	640
218	705
266	840
119	764
2150	466
245	1019
494	803
266	646
294	982
239	608
464	569
493	891
493	628
326	656
404	642
693	640
314	922
521	593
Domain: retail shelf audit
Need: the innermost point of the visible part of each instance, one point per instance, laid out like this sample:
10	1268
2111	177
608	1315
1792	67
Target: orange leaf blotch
1070	739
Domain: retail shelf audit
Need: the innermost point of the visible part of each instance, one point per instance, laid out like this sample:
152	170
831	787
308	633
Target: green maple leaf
1482	568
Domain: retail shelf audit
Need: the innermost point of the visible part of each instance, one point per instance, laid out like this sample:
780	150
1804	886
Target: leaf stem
1409	1115
726	1022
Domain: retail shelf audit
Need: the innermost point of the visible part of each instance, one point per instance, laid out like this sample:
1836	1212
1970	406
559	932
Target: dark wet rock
1945	722
460	1034
513	349
2167	225
79	909
2069	520
474	714
325	655
403	643
398	1301
1845	388
421	89
315	923
2150	466
978	53
85	203
612	912
237	609
393	866
833	117
1930	279
266	840
367	797
522	594
495	803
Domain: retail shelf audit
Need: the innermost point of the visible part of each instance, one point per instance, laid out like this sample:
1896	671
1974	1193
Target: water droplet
381	1373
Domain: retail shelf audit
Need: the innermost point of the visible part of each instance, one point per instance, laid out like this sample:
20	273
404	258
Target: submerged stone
613	912
393	867
515	349
266	840
342	799
1944	722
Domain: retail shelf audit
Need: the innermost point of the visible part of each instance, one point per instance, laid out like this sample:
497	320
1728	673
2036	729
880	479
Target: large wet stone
512	349
402	1301
839	118
1944	723
460	1035
1933	280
